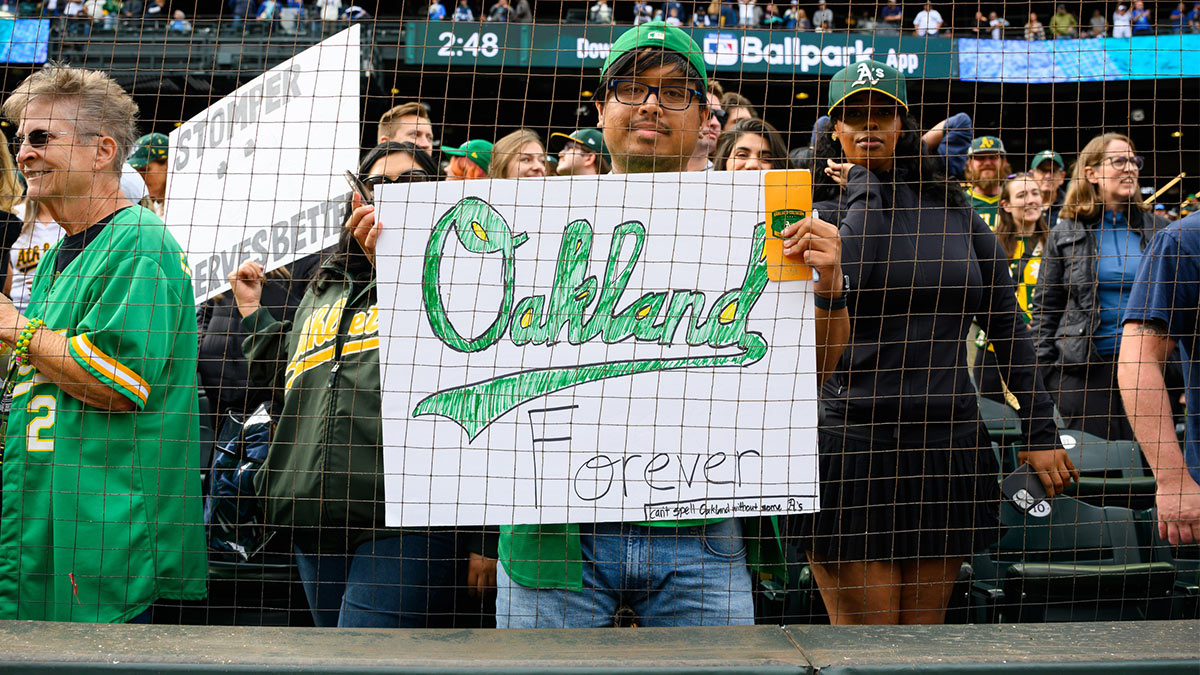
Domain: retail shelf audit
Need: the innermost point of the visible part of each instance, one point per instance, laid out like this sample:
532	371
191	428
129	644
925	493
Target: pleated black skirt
896	500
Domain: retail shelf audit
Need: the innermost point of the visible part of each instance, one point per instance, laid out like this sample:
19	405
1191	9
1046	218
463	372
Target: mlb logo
720	49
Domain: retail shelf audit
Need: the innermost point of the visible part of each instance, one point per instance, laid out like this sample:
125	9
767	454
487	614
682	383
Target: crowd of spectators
1127	19
84	16
1053	264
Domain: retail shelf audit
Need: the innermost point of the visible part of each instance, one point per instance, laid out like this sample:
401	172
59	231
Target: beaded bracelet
21	352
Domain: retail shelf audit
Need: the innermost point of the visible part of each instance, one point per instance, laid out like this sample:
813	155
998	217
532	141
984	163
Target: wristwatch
834	304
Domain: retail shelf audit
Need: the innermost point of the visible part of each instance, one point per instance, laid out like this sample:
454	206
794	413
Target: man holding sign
101	465
652	108
614	430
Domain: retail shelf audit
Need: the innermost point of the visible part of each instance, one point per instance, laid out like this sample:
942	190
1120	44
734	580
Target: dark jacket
1065	311
920	271
222	364
325	465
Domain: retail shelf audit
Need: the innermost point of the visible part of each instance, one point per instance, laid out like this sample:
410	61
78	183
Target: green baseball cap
476	150
658	34
591	138
149	148
987	145
867	76
1048	155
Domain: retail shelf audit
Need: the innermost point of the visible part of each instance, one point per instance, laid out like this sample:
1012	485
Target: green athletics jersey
987	207
101	510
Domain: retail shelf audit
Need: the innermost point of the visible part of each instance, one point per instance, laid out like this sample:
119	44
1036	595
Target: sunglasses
719	115
410	176
39	138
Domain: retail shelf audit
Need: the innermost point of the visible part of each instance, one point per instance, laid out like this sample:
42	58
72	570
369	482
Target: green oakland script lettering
540	320
480	230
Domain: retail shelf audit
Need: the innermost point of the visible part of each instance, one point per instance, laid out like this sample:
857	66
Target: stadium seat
1002	422
1080	563
1111	473
1185	559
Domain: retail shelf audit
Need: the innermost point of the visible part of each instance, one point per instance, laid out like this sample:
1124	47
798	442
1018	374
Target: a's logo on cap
865	75
656	35
986	142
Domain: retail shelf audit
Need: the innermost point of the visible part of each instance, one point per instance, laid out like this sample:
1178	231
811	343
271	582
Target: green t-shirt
550	556
101	512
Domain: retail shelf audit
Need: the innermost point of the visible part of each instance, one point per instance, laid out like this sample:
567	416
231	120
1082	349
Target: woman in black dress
909	484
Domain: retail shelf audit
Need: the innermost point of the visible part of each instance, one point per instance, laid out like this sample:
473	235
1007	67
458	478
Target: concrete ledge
1134	646
1151	647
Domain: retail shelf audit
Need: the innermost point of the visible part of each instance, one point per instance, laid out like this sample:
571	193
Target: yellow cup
788	199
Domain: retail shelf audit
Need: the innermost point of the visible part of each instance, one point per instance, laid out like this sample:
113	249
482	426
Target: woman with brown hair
1091	259
751	145
520	154
1021	230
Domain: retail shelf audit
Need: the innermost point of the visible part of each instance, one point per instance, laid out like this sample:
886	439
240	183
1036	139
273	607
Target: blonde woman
520	154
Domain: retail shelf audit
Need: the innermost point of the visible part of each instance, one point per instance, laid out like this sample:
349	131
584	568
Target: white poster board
259	174
590	350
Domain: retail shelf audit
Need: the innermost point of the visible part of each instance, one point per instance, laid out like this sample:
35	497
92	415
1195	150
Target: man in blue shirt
1164	309
1142	23
891	18
1179	18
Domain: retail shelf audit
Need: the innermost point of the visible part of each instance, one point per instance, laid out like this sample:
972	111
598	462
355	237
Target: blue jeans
668	576
393	582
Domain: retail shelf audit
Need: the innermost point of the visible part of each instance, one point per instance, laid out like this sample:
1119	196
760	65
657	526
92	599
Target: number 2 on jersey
42	421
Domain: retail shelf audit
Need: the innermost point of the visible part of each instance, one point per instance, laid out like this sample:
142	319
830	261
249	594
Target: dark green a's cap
477	150
867	76
590	138
149	148
658	34
1048	155
987	145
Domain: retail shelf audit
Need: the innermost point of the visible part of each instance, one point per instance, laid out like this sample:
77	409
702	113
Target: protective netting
507	315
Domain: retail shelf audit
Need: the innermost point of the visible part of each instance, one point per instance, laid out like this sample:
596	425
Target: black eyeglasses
38	138
410	176
671	97
1121	162
718	115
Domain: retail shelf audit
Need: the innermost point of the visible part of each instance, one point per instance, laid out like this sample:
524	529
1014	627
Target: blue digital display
24	40
1086	60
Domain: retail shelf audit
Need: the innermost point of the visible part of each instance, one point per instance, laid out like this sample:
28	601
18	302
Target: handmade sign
259	175
590	350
